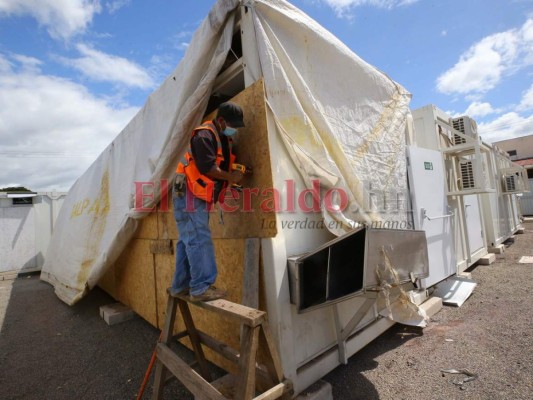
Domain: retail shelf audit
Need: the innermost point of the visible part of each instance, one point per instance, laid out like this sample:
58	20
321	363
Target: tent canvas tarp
340	119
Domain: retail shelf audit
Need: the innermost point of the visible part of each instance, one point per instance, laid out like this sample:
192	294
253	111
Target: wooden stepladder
251	376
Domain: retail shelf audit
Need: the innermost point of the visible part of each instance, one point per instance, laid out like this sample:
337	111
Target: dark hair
232	114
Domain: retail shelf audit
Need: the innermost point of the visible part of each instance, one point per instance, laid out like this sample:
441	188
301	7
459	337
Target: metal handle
424	215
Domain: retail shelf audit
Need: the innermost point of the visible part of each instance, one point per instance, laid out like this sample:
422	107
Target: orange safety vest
200	185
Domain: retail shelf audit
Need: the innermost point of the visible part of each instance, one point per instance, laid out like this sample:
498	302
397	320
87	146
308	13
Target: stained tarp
340	119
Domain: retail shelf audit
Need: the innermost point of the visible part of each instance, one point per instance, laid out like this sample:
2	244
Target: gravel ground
490	335
51	351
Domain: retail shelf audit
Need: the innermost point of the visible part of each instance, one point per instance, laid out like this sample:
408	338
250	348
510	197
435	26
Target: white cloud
61	18
482	67
5	65
28	64
51	129
114	6
478	109
507	126
103	67
527	100
342	7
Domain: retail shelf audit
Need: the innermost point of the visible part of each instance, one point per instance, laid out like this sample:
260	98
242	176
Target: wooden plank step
226	385
238	312
275	393
193	381
230	354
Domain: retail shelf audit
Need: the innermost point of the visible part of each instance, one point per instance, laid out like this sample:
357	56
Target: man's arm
232	177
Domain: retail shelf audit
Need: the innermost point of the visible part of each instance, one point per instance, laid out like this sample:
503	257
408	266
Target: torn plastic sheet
393	301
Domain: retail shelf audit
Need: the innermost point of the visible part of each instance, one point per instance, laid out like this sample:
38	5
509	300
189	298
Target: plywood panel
140	278
107	282
230	255
148	227
135	279
167	225
164	270
251	149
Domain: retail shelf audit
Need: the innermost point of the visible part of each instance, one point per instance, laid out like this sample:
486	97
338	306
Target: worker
200	180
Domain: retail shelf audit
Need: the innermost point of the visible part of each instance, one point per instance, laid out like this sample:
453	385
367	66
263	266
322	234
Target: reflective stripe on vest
200	185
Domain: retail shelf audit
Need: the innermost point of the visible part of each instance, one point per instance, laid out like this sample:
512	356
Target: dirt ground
491	335
51	351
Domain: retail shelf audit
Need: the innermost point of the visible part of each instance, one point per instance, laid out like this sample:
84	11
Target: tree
15	189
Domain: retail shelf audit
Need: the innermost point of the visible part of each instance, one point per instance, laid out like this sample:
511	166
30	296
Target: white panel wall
526	201
25	231
17	241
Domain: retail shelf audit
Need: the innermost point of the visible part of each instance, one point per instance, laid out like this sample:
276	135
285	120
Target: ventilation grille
458	139
510	183
467	175
467	126
459	125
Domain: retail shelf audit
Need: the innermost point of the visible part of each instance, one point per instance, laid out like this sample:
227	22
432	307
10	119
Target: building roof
528	162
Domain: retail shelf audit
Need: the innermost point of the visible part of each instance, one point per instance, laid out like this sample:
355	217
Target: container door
427	184
473	223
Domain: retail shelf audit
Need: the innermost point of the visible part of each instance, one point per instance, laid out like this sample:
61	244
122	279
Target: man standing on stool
200	179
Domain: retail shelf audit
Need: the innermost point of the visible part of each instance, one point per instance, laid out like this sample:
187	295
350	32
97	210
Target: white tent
339	118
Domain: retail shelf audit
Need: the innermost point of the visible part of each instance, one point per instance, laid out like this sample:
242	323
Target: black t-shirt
204	152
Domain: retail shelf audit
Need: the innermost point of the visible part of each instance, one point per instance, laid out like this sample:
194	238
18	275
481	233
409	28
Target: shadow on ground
349	382
49	350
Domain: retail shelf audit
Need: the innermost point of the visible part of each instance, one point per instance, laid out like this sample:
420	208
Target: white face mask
229	131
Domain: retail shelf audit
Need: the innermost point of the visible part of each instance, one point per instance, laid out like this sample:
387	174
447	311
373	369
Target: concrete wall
522	145
26	231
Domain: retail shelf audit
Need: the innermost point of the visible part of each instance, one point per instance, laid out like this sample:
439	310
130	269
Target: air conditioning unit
514	180
467	175
467	126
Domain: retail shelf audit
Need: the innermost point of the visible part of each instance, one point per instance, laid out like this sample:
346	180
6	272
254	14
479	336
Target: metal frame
343	333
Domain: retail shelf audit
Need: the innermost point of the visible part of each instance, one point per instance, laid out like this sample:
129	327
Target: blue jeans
195	256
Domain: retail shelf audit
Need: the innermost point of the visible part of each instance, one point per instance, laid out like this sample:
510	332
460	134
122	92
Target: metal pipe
424	215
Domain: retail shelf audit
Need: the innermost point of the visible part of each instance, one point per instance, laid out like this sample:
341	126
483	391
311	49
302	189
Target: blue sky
74	72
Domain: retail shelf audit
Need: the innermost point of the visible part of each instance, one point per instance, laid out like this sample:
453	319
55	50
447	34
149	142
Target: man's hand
231	177
235	177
